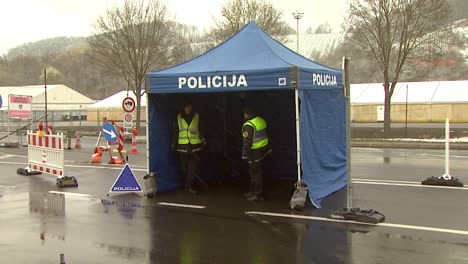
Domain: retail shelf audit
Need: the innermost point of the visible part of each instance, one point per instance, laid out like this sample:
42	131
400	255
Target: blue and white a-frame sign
126	182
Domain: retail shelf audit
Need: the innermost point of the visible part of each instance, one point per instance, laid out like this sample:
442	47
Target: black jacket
175	135
252	155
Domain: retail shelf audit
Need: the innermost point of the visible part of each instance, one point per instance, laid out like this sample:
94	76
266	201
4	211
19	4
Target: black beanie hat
248	110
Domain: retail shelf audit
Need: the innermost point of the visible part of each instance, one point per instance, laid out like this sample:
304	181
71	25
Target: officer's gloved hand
204	144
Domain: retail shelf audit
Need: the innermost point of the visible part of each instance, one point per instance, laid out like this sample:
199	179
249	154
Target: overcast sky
25	21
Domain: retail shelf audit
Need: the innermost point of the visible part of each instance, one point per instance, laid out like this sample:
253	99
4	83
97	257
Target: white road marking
79	166
358	181
103	167
8	186
387	181
183	205
72	194
13	163
6	156
315	218
411	185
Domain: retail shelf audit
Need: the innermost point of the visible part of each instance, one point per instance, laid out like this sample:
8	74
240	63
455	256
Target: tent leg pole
347	91
298	135
349	213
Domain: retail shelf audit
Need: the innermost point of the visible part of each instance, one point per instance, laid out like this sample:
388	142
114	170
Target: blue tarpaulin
253	63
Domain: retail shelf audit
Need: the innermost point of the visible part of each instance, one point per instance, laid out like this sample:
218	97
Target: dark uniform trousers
189	165
256	177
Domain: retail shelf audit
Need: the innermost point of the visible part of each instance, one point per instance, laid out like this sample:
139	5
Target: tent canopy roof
250	59
249	49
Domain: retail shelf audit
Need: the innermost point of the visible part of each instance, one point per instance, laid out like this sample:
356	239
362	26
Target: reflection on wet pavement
37	227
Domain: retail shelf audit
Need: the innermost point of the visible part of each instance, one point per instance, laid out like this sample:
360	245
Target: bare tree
238	13
391	31
184	38
54	76
324	28
131	40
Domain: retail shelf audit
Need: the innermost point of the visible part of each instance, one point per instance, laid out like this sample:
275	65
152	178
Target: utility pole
406	108
45	97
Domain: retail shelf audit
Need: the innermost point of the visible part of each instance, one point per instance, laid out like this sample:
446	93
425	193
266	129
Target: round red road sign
128	117
128	104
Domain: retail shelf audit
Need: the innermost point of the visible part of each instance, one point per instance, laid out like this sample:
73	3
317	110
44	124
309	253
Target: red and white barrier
120	138
50	130
46	153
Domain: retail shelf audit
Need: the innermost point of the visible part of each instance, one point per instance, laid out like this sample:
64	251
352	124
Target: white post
298	134
447	148
147	131
28	135
297	15
62	152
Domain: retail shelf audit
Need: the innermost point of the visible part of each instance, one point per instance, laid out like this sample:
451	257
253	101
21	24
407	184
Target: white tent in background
59	97
111	107
115	101
412	102
418	92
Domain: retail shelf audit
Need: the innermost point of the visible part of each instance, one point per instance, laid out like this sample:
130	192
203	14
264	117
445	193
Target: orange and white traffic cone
97	156
116	160
78	140
134	149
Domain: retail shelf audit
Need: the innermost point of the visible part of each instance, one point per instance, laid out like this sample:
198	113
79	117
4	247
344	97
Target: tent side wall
161	161
323	142
323	133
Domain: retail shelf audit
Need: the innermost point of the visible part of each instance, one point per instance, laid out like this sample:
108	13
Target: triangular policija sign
126	182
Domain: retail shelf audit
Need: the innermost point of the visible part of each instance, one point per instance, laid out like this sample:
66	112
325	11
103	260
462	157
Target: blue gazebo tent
251	67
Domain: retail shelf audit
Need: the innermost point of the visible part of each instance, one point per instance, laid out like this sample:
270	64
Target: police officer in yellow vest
255	147
188	141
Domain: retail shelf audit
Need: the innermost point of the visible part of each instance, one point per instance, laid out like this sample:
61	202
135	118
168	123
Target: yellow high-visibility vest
188	134
260	137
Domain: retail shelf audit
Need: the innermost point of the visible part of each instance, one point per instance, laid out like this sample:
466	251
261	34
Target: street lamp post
297	15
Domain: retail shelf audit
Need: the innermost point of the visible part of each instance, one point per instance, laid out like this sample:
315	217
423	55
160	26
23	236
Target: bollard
78	140
68	144
62	258
134	149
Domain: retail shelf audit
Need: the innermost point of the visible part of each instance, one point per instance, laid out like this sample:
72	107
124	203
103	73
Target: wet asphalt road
424	224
